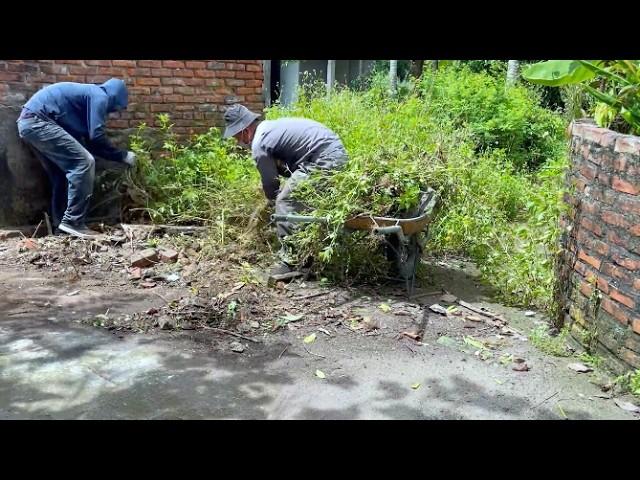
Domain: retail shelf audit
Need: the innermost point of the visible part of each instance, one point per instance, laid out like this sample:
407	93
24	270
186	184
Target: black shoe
80	231
280	268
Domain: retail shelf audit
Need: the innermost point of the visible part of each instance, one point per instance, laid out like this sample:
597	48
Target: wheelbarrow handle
297	219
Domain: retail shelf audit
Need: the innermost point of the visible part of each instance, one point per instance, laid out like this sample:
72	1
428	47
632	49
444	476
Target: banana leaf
604	72
554	73
604	97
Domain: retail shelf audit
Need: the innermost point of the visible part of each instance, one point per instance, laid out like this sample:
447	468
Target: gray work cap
238	117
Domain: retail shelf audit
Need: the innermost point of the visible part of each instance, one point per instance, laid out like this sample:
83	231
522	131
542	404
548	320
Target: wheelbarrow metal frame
404	229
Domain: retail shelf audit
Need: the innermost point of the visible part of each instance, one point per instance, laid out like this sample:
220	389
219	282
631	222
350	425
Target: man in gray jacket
290	147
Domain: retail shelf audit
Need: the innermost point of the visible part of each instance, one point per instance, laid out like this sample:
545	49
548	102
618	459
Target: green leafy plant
576	101
542	339
629	382
500	201
592	360
204	180
194	182
615	84
634	383
497	118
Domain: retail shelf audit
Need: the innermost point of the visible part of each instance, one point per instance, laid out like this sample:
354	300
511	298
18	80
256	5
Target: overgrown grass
196	182
207	181
496	207
557	345
494	155
509	119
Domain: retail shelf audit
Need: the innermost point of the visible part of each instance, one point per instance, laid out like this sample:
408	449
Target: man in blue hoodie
65	125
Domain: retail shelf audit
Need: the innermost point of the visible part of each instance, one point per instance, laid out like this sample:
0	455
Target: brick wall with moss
600	300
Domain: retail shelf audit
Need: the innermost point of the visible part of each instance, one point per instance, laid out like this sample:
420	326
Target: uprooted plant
206	180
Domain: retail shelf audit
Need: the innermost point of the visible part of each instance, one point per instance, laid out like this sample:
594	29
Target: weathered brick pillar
602	244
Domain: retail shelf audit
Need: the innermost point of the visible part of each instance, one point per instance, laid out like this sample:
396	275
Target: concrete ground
53	367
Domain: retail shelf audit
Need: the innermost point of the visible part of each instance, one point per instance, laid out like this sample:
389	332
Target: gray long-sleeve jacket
291	143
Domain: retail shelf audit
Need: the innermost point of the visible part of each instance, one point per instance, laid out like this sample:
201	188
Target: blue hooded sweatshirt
82	109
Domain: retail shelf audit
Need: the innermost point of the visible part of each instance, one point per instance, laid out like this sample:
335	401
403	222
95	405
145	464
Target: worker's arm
267	166
98	143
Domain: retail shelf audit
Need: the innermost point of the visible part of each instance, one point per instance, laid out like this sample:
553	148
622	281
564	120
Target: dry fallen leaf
309	338
413	334
320	374
136	273
415	386
28	244
438	309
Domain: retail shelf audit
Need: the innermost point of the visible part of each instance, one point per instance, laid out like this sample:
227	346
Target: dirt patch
194	291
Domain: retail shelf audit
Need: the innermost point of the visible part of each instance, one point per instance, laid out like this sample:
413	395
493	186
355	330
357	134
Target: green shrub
457	132
205	181
502	216
630	382
510	119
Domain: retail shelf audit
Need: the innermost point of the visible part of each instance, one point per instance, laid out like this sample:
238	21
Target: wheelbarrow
400	235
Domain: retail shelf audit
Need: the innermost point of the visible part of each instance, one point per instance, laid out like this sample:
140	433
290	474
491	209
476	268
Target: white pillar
393	77
289	80
266	82
512	72
331	74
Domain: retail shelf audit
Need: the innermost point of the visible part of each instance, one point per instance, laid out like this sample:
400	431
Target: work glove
130	159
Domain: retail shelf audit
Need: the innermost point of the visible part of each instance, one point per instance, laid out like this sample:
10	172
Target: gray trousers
286	205
69	166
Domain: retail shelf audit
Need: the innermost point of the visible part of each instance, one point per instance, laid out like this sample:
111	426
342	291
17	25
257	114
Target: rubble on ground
236	297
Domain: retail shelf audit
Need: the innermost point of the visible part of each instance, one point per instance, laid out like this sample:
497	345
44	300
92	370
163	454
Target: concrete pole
331	74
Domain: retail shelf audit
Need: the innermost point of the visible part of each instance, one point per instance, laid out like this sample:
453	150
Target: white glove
130	159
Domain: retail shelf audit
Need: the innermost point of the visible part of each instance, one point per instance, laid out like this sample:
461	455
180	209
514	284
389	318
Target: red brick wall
193	92
603	240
